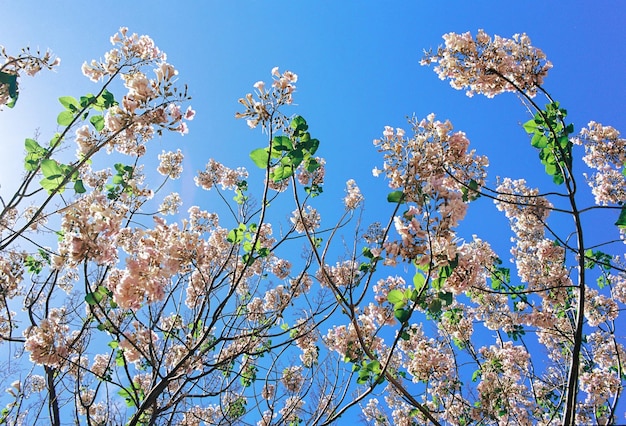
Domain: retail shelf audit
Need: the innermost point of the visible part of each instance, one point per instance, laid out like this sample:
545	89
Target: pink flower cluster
26	62
345	339
131	123
170	204
216	173
490	66
343	274
90	228
292	379
137	346
599	308
305	218
502	393
291	410
154	256
432	169
131	49
260	109
539	261
171	164
11	273
306	336
425	358
316	178
48	343
605	152
470	271
353	196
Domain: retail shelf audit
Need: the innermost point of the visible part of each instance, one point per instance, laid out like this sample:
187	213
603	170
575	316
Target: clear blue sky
358	67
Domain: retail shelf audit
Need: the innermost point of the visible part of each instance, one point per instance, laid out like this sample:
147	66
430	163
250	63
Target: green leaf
434	307
93	298
105	101
367	252
418	281
539	140
260	157
395	297
98	122
130	401
34	154
52	184
311	165
70	103
402	315
395	197
281	173
119	359
56	140
446	298
33	146
282	143
564	141
621	220
65	118
470	193
79	188
558	178
311	146
33	265
294	158
235	236
10	80
530	126
87	100
50	168
299	124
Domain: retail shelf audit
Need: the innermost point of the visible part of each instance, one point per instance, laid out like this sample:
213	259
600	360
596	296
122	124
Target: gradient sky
358	68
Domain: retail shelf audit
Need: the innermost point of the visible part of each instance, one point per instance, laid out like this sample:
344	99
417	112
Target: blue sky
358	67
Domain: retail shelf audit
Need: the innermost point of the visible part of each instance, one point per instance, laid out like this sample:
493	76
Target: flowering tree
111	314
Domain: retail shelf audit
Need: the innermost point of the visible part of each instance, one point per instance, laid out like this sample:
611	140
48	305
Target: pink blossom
489	66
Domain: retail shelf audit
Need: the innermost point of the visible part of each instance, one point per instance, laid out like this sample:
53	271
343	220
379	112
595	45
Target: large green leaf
294	158
50	168
260	157
34	153
65	118
70	103
395	197
418	280
396	297
52	184
282	143
298	124
402	315
530	126
282	173
98	122
539	140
